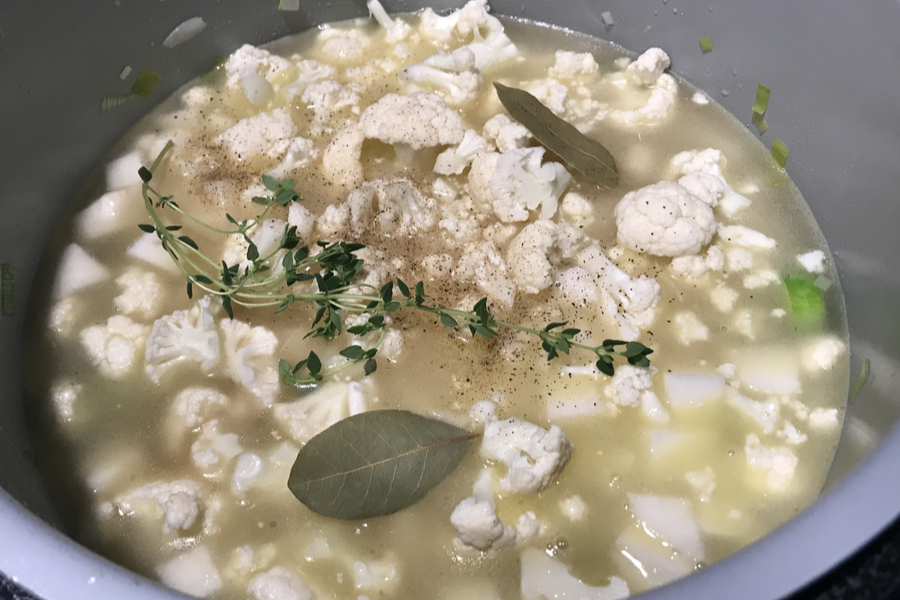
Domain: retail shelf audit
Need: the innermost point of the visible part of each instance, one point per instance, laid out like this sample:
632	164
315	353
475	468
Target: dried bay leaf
588	156
376	463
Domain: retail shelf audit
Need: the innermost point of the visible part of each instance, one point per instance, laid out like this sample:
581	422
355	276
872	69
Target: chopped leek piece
807	300
146	82
779	152
8	290
859	381
126	71
113	102
762	99
705	45
760	123
289	5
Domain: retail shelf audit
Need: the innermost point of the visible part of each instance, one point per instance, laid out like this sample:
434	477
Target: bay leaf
586	155
376	463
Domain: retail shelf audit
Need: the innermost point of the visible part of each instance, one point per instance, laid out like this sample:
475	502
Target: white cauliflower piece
485	266
113	347
248	358
521	183
822	353
690	328
475	519
814	261
419	120
394	204
453	161
576	209
327	97
212	448
319	410
185	335
395	30
662	97
551	93
249	59
310	72
278	584
633	386
343	45
300	217
531	254
453	76
505	134
140	292
177	501
570	65
490	44
577	286
664	219
694	266
300	153
534	456
702	170
777	463
340	161
248	469
192	405
258	135
746	237
649	66
483	168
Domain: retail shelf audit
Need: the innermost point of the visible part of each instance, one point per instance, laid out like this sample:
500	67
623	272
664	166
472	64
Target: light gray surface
836	103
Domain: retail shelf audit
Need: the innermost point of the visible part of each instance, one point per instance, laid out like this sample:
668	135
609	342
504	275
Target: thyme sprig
330	271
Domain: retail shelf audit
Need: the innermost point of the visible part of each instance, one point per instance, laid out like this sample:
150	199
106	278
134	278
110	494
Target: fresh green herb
145	83
579	151
376	463
705	45
109	103
760	123
8	290
762	100
859	381
779	153
807	300
332	274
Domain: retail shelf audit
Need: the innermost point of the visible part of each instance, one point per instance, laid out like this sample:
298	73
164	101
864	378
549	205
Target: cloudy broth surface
179	470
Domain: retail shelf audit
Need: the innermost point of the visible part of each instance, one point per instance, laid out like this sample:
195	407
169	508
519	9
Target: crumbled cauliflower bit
577	286
822	353
113	347
573	508
177	501
532	252
791	434
743	324
453	161
739	260
766	414
419	120
140	292
576	209
744	236
300	217
504	134
476	522
248	358
185	335
693	267
391	346
690	328
62	316
521	183
703	482
334	220
823	418
62	396
193	573
299	154
630	385
570	65
250	59
374	575
483	411
545	577
78	270
319	410
443	189
705	186
664	219
702	170
484	265
258	135
212	447
394	204
778	313
278	584
760	279
814	261
534	456
327	97
662	98
648	67
340	161
342	44
700	98
551	93
452	76
723	298
310	72
528	526
192	405
778	463
248	469
462	230
395	30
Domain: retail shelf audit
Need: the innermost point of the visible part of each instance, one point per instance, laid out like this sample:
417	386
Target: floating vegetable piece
146	82
588	156
113	102
807	299
760	123
762	99
705	45
779	152
859	381
376	463
184	31
290	5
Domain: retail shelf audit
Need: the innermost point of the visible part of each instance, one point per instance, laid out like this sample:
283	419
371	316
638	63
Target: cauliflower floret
486	267
453	161
185	335
140	292
343	44
340	161
505	134
778	463
530	258
248	358
693	267
534	456
300	152
569	65
310	72
304	221
395	30
633	386
649	66
326	98
249	62
394	204
259	135
476	522
493	48
521	183
212	448
192	405
419	120
551	93
453	75
177	501
663	96
278	584
702	170
577	286
664	219
112	347
576	209
319	410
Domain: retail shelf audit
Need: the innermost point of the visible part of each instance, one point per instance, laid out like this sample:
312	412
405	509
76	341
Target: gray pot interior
835	78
